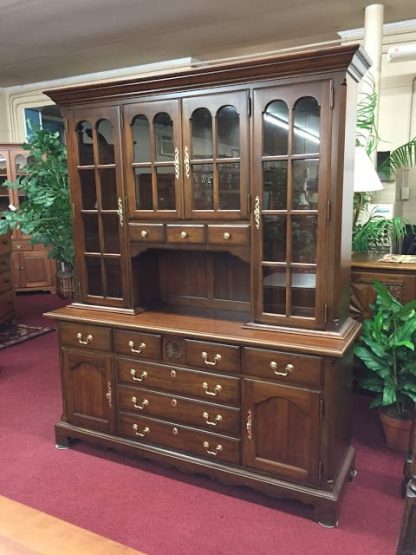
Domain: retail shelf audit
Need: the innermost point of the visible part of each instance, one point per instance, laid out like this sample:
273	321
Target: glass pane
85	151
92	239
228	132
304	231
274	238
94	278
113	274
275	185
105	142
275	129
163	128
305	184
274	290
141	139
20	164
229	186
88	192
306	126
165	188
143	188
3	165
201	125
202	192
111	233
108	189
3	177
303	291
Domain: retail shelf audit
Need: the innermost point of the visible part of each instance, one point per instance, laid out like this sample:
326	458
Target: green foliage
387	348
45	213
367	135
402	157
378	233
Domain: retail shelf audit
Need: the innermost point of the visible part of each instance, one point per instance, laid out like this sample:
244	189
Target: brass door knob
144	233
184	234
227	235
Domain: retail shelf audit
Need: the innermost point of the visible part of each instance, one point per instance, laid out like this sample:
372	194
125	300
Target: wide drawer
179	409
167	434
138	344
5	281
237	235
154	233
211	387
85	336
185	234
285	367
23	245
222	358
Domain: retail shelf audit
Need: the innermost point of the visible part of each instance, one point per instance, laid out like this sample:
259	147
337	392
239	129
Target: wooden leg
407	539
326	514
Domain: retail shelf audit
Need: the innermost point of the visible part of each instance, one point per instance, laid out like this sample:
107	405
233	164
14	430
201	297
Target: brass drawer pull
217	420
217	359
142	377
145	431
87	340
173	373
175	431
141	348
289	368
227	235
142	406
184	234
217	389
144	233
218	449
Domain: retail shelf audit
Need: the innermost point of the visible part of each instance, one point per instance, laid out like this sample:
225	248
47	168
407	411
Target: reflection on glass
85	151
229	186
275	185
274	290
20	164
113	275
202	183
94	277
274	238
306	126
305	184
163	127
228	132
201	126
275	129
88	192
108	188
105	142
304	229
3	165
141	139
165	177
111	233
143	178
303	292
91	236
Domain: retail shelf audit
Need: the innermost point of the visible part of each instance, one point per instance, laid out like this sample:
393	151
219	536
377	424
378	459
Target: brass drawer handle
227	235
141	348
143	404
144	233
145	431
217	389
217	420
142	377
218	449
289	368
87	340
184	234
175	431
217	359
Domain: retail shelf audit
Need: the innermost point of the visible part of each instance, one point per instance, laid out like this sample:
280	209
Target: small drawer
138	344
5	244
236	235
212	356
25	245
5	281
85	336
185	234
285	367
154	233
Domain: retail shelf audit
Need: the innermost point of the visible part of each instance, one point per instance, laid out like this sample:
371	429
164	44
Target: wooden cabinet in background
6	289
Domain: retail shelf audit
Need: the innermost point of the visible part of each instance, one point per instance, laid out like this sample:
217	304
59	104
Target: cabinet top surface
371	261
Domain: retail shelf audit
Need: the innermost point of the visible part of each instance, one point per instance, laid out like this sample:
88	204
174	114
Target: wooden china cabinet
212	219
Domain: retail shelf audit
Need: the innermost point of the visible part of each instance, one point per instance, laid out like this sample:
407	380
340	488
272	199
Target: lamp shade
366	178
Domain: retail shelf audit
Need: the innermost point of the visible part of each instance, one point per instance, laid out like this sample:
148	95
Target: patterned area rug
17	333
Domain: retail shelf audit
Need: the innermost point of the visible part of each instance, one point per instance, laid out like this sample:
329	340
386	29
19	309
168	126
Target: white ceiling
49	39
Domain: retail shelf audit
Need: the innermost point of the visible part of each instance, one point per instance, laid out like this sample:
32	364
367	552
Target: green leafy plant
45	213
387	348
378	233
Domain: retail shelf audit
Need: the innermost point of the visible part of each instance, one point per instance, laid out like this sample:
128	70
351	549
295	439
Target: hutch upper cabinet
212	219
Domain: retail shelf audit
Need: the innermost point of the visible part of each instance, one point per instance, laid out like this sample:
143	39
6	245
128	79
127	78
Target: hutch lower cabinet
212	220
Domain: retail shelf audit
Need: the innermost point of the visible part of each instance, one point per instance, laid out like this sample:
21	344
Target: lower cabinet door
88	389
281	430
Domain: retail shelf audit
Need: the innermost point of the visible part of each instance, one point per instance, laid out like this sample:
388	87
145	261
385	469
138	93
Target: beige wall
4	119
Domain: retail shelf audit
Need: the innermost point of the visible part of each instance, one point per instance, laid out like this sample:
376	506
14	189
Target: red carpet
161	511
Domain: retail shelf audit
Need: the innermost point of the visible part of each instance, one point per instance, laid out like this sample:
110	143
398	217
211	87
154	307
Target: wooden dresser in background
6	289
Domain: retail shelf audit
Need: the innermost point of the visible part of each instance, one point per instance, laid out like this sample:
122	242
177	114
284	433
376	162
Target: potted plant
387	348
45	213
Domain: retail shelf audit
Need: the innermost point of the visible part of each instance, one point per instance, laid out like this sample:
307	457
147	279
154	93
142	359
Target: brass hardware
143	375
288	368
173	373
186	163
144	233
109	395
184	234
145	431
143	404
217	389
218	448
87	340
174	403
249	424
141	348
217	358
120	211
257	212
217	420
176	163
227	235
175	431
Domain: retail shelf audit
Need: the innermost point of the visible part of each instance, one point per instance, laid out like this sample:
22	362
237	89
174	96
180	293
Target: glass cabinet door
4	176
215	143
290	192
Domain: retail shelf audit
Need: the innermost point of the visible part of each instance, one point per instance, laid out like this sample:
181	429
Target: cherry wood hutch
212	219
